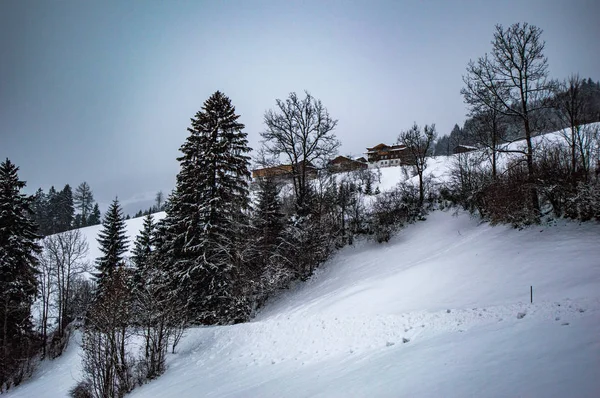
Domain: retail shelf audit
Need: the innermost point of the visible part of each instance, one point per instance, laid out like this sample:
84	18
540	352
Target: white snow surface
441	310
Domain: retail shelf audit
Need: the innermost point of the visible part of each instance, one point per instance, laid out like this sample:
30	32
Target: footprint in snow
521	315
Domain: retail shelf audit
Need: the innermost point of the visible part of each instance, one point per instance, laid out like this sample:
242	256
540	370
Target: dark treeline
59	211
511	129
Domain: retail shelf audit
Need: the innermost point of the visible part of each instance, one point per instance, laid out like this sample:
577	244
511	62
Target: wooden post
531	293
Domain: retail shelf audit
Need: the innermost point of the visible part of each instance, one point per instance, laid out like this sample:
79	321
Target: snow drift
443	309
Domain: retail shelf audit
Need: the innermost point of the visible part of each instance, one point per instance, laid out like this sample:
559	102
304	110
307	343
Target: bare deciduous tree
513	80
46	290
84	200
301	132
66	256
487	126
571	104
419	144
106	362
159	200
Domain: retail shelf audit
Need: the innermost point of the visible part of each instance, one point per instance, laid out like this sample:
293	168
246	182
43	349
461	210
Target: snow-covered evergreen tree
206	213
18	269
112	243
40	211
65	209
268	218
95	216
142	249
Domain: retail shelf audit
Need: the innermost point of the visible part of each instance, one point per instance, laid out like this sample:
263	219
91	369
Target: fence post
531	293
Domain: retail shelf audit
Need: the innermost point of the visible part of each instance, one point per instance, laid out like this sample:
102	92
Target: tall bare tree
46	290
300	130
572	109
106	363
419	144
484	108
84	200
513	80
66	256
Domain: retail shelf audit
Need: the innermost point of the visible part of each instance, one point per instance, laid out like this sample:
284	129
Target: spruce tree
63	209
18	269
142	249
112	243
40	211
206	214
95	216
77	223
268	219
52	209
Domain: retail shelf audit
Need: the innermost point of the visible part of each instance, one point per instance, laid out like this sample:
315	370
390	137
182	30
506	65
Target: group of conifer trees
59	211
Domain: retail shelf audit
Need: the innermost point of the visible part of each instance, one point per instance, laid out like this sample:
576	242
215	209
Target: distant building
388	155
463	149
282	171
344	163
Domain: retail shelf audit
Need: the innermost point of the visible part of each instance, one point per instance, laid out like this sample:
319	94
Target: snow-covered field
441	310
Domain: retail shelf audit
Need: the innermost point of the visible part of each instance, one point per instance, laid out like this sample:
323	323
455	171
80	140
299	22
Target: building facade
388	155
344	163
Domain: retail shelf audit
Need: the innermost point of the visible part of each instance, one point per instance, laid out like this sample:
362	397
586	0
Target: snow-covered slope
441	310
132	228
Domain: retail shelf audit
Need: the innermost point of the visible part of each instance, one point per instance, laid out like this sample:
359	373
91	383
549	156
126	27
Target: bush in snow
392	209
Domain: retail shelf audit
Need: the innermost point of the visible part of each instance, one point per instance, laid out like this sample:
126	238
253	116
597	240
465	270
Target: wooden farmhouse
388	155
344	163
282	171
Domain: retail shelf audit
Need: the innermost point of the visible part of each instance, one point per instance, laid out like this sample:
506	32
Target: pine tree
84	199
112	243
40	211
143	242
52	207
205	217
95	216
143	247
63	209
266	269
268	219
77	223
18	269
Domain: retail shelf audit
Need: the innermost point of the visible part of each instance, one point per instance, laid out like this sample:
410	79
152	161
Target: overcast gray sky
103	91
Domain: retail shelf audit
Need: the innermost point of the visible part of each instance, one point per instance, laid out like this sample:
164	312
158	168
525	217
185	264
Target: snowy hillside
441	310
